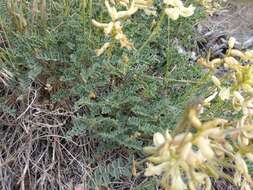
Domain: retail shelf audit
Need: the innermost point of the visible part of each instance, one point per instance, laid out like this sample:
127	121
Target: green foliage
105	175
120	99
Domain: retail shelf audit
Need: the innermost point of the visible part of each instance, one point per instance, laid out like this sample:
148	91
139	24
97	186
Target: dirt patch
235	19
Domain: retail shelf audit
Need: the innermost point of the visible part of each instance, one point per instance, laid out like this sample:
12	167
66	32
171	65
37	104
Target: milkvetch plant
172	8
198	149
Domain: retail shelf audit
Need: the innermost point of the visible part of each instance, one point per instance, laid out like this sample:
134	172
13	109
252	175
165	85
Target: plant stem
166	67
155	31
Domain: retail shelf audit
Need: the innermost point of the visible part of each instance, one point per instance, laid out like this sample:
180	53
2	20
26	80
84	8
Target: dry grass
35	154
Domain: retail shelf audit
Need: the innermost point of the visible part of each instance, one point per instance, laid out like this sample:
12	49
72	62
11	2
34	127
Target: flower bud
102	49
158	139
216	81
168	136
224	94
210	98
231	42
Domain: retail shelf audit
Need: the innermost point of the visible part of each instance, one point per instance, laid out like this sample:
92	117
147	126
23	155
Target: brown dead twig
36	154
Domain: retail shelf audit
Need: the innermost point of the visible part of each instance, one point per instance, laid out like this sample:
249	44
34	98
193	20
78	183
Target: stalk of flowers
114	27
173	8
239	88
201	150
188	160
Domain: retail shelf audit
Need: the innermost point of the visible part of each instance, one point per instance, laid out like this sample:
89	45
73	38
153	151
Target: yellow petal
99	24
204	147
177	182
231	61
129	12
185	151
224	94
216	81
249	55
240	164
238	97
111	10
183	137
169	2
231	42
186	12
172	13
152	170
237	53
210	98
168	136
150	150
177	3
158	139
102	49
108	28
250	156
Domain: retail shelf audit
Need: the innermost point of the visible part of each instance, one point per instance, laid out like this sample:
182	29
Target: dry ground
235	19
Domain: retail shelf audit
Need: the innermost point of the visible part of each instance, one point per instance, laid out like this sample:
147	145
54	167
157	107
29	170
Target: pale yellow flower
240	164
216	81
158	139
224	93
175	8
249	156
102	49
152	170
210	98
177	182
249	55
231	42
185	151
205	148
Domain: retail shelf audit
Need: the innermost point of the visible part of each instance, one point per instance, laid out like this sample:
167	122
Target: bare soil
235	19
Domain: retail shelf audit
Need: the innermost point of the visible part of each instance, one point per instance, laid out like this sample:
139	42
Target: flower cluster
176	8
187	160
211	5
173	8
114	28
240	87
